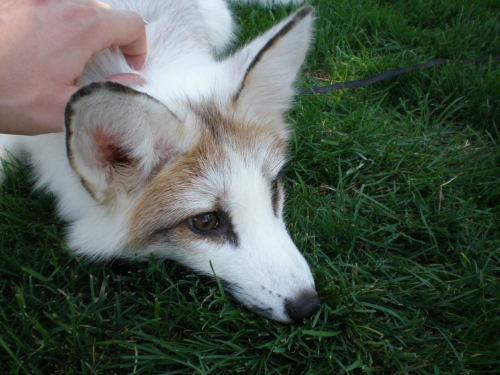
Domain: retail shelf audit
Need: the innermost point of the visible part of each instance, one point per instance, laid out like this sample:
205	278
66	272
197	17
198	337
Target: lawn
393	197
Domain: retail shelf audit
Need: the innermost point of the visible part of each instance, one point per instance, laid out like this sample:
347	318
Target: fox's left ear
117	138
270	65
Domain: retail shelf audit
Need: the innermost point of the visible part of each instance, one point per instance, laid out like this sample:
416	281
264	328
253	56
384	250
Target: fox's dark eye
204	223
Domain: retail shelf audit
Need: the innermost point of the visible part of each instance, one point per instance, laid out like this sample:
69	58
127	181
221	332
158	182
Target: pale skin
44	46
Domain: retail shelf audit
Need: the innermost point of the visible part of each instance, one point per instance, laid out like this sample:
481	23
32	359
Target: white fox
187	166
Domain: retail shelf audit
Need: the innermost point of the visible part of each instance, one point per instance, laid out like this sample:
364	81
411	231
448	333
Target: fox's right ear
116	137
268	66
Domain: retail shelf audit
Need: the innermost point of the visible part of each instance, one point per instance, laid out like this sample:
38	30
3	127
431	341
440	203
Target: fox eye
204	223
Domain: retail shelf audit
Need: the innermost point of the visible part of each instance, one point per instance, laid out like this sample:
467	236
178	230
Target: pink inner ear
109	149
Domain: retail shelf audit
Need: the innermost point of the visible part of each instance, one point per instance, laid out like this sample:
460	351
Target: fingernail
127	79
136	62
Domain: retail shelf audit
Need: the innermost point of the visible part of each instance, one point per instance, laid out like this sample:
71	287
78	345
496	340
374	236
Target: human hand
44	46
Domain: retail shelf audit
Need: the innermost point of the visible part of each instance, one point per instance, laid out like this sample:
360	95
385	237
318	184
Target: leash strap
394	73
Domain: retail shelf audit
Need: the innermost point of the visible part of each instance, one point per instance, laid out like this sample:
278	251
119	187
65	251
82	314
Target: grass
393	197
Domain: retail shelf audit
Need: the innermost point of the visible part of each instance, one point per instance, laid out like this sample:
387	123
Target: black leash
393	73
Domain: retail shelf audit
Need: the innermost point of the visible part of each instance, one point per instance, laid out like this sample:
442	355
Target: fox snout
291	309
297	308
302	306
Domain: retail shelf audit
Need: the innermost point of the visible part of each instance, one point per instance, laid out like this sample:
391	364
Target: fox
187	165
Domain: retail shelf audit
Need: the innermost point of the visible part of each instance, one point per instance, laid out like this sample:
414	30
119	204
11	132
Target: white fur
266	268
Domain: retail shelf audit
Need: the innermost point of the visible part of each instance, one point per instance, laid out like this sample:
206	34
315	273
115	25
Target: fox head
199	183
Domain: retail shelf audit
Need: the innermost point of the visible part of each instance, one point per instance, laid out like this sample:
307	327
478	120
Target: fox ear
116	137
270	65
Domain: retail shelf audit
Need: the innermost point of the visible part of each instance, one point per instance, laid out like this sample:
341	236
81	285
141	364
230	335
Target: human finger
126	30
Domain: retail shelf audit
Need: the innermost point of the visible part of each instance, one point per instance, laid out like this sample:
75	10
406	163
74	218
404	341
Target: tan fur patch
172	194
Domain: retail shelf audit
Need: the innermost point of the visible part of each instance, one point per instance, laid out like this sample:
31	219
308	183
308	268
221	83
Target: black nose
303	306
